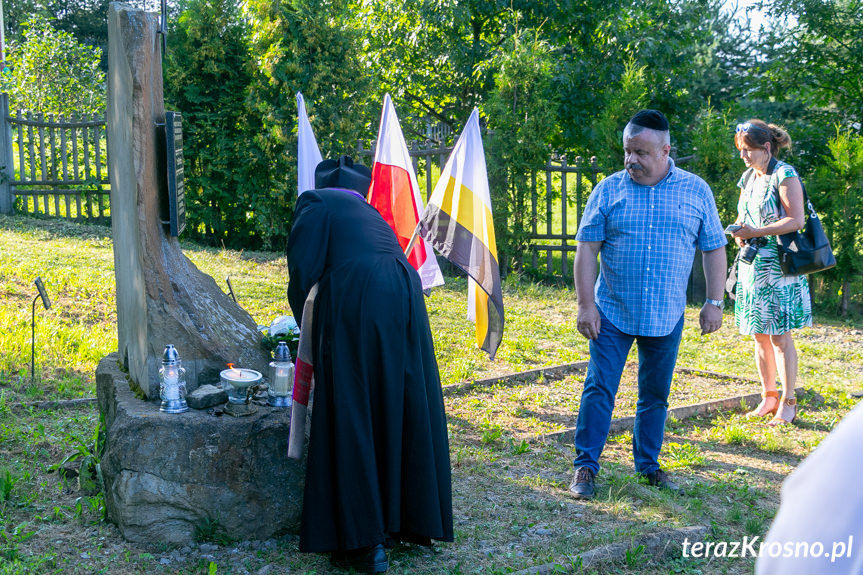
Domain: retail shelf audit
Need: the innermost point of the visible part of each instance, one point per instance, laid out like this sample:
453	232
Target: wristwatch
717	302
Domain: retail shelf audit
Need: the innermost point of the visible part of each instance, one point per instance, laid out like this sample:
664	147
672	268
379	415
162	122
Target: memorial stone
166	475
162	298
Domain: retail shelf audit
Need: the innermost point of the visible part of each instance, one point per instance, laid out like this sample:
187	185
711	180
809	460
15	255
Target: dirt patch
548	404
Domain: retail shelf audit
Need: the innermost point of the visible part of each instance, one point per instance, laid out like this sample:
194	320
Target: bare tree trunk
845	300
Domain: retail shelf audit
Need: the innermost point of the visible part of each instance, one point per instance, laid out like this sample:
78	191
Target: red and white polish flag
395	193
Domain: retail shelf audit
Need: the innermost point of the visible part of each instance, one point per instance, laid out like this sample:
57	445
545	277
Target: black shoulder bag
805	251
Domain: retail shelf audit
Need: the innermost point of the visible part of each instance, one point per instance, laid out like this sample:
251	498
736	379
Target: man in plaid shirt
646	222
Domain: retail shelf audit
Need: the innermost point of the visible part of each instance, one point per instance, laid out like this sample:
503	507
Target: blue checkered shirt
649	236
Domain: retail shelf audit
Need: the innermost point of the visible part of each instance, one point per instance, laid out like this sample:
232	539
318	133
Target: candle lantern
281	377
172	382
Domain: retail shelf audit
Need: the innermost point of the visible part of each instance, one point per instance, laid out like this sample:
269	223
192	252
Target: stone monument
162	298
167	476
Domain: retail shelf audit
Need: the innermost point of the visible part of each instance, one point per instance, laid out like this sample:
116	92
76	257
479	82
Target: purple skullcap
652	119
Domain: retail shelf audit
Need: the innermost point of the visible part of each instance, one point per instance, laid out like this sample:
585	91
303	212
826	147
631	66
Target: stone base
166	475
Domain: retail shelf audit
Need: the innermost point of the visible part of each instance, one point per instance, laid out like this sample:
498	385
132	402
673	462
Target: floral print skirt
768	301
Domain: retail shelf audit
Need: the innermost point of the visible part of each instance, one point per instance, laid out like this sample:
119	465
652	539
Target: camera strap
771	186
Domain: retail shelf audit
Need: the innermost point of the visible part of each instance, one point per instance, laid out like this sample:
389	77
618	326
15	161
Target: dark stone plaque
176	191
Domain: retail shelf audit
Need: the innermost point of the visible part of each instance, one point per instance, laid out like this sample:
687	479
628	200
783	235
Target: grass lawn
511	508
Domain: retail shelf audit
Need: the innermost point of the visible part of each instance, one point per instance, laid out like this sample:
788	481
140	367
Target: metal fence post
7	170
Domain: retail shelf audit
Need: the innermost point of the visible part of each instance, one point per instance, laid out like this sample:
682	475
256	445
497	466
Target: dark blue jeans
656	359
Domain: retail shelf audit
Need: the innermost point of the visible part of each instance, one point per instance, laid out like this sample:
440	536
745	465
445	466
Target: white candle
172	393
282	379
172	387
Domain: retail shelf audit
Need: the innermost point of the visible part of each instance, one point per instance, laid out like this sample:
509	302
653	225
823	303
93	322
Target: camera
750	249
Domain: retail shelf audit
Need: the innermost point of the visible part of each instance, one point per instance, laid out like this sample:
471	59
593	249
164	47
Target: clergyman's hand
588	321
710	318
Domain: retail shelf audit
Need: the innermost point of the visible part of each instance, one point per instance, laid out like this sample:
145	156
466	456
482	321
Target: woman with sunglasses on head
769	304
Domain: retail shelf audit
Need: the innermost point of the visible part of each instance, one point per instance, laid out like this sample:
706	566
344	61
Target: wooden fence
555	214
558	194
54	166
58	168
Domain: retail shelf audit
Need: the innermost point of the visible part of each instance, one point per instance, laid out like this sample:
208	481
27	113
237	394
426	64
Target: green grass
510	503
71	336
682	456
75	263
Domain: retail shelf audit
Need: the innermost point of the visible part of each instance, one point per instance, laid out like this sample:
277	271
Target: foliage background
50	72
560	76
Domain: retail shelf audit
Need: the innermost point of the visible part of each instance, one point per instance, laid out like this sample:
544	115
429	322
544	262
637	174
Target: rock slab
168	474
162	297
206	396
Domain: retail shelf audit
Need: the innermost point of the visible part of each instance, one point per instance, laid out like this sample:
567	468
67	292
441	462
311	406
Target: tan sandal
758	411
786	415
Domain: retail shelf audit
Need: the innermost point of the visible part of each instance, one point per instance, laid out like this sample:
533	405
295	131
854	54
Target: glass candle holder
281	377
236	382
172	382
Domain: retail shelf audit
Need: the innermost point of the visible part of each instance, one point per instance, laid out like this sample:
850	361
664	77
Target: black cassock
378	459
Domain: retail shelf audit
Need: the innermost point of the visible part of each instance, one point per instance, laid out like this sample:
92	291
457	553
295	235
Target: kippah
651	119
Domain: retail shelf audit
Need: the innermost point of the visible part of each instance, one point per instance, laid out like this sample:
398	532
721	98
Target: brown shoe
786	415
582	485
660	479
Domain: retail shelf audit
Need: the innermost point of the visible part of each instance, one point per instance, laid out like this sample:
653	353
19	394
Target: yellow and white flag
458	222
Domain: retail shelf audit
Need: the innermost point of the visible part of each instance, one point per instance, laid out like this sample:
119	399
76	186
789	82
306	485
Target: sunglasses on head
748	126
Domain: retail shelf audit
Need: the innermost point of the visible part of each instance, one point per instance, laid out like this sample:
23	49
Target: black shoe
582	485
660	479
402	537
364	560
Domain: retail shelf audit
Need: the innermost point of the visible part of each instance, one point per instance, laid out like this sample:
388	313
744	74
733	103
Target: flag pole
413	240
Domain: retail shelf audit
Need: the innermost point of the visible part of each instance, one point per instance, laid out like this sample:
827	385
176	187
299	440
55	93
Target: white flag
308	153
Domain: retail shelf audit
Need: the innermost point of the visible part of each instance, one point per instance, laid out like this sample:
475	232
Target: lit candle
172	382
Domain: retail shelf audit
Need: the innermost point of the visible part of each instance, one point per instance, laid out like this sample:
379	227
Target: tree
433	56
716	159
52	73
818	59
86	20
621	105
522	113
692	51
313	47
842	177
17	12
208	71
